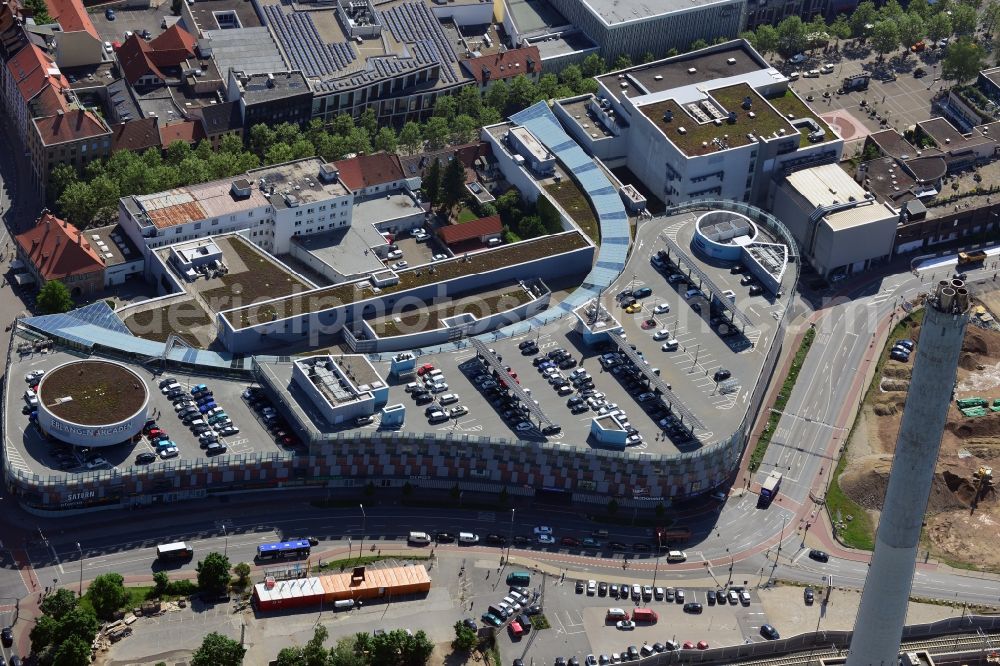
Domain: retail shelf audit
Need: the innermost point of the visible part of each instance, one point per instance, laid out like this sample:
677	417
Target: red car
425	368
570	541
154	433
688	645
702	645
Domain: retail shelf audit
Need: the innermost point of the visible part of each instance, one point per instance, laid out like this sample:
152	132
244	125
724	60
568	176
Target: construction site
963	512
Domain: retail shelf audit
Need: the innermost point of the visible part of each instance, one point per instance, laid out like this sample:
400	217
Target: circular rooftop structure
722	234
92	403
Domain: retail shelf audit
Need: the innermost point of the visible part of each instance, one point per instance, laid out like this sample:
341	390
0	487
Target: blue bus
284	549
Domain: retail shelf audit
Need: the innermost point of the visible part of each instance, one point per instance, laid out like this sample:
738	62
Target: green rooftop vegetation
337	295
428	319
698	138
790	104
262	280
575	202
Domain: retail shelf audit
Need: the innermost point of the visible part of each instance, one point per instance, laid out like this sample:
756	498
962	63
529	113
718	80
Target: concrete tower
882	614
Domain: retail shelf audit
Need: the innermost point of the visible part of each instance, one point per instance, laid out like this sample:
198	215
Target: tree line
889	28
91	198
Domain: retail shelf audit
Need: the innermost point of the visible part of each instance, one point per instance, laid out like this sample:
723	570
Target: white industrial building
839	227
718	123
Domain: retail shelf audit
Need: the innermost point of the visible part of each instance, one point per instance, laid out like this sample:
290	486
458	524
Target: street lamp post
510	534
364	528
225	549
79	548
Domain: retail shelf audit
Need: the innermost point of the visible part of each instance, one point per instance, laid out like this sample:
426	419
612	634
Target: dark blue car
206	407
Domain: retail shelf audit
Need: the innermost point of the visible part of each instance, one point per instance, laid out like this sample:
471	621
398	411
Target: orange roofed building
56	250
315	590
78	42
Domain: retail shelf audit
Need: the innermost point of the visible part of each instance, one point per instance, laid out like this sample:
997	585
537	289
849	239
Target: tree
463	128
990	17
38	11
217	650
520	93
59	179
531	227
624	61
592	66
469	101
78	204
43	633
343	124
161	579
261	138
385	140
369	121
766	39
231	144
920	7
453	184
445	107
213	575
59	604
911	30
314	653
963	61
107	594
613	507
885	37
939	27
279	153
54	298
430	185
963	20
697	44
791	36
840	28
72	652
177	151
891	10
242	571
497	96
864	15
436	131
415	650
78	622
465	638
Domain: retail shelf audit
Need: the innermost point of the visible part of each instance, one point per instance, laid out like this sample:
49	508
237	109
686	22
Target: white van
448	398
691	293
343	604
468	538
676	556
671	345
419	538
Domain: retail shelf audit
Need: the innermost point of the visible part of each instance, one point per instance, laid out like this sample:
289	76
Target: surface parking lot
691	369
30	452
580	625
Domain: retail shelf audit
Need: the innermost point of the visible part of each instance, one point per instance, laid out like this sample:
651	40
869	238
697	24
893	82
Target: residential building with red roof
145	64
472	235
135	135
372	174
79	42
506	65
54	249
189	131
26	76
73	136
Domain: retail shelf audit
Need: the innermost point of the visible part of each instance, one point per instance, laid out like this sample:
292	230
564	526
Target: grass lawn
575	202
859	532
779	404
466	215
341	565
